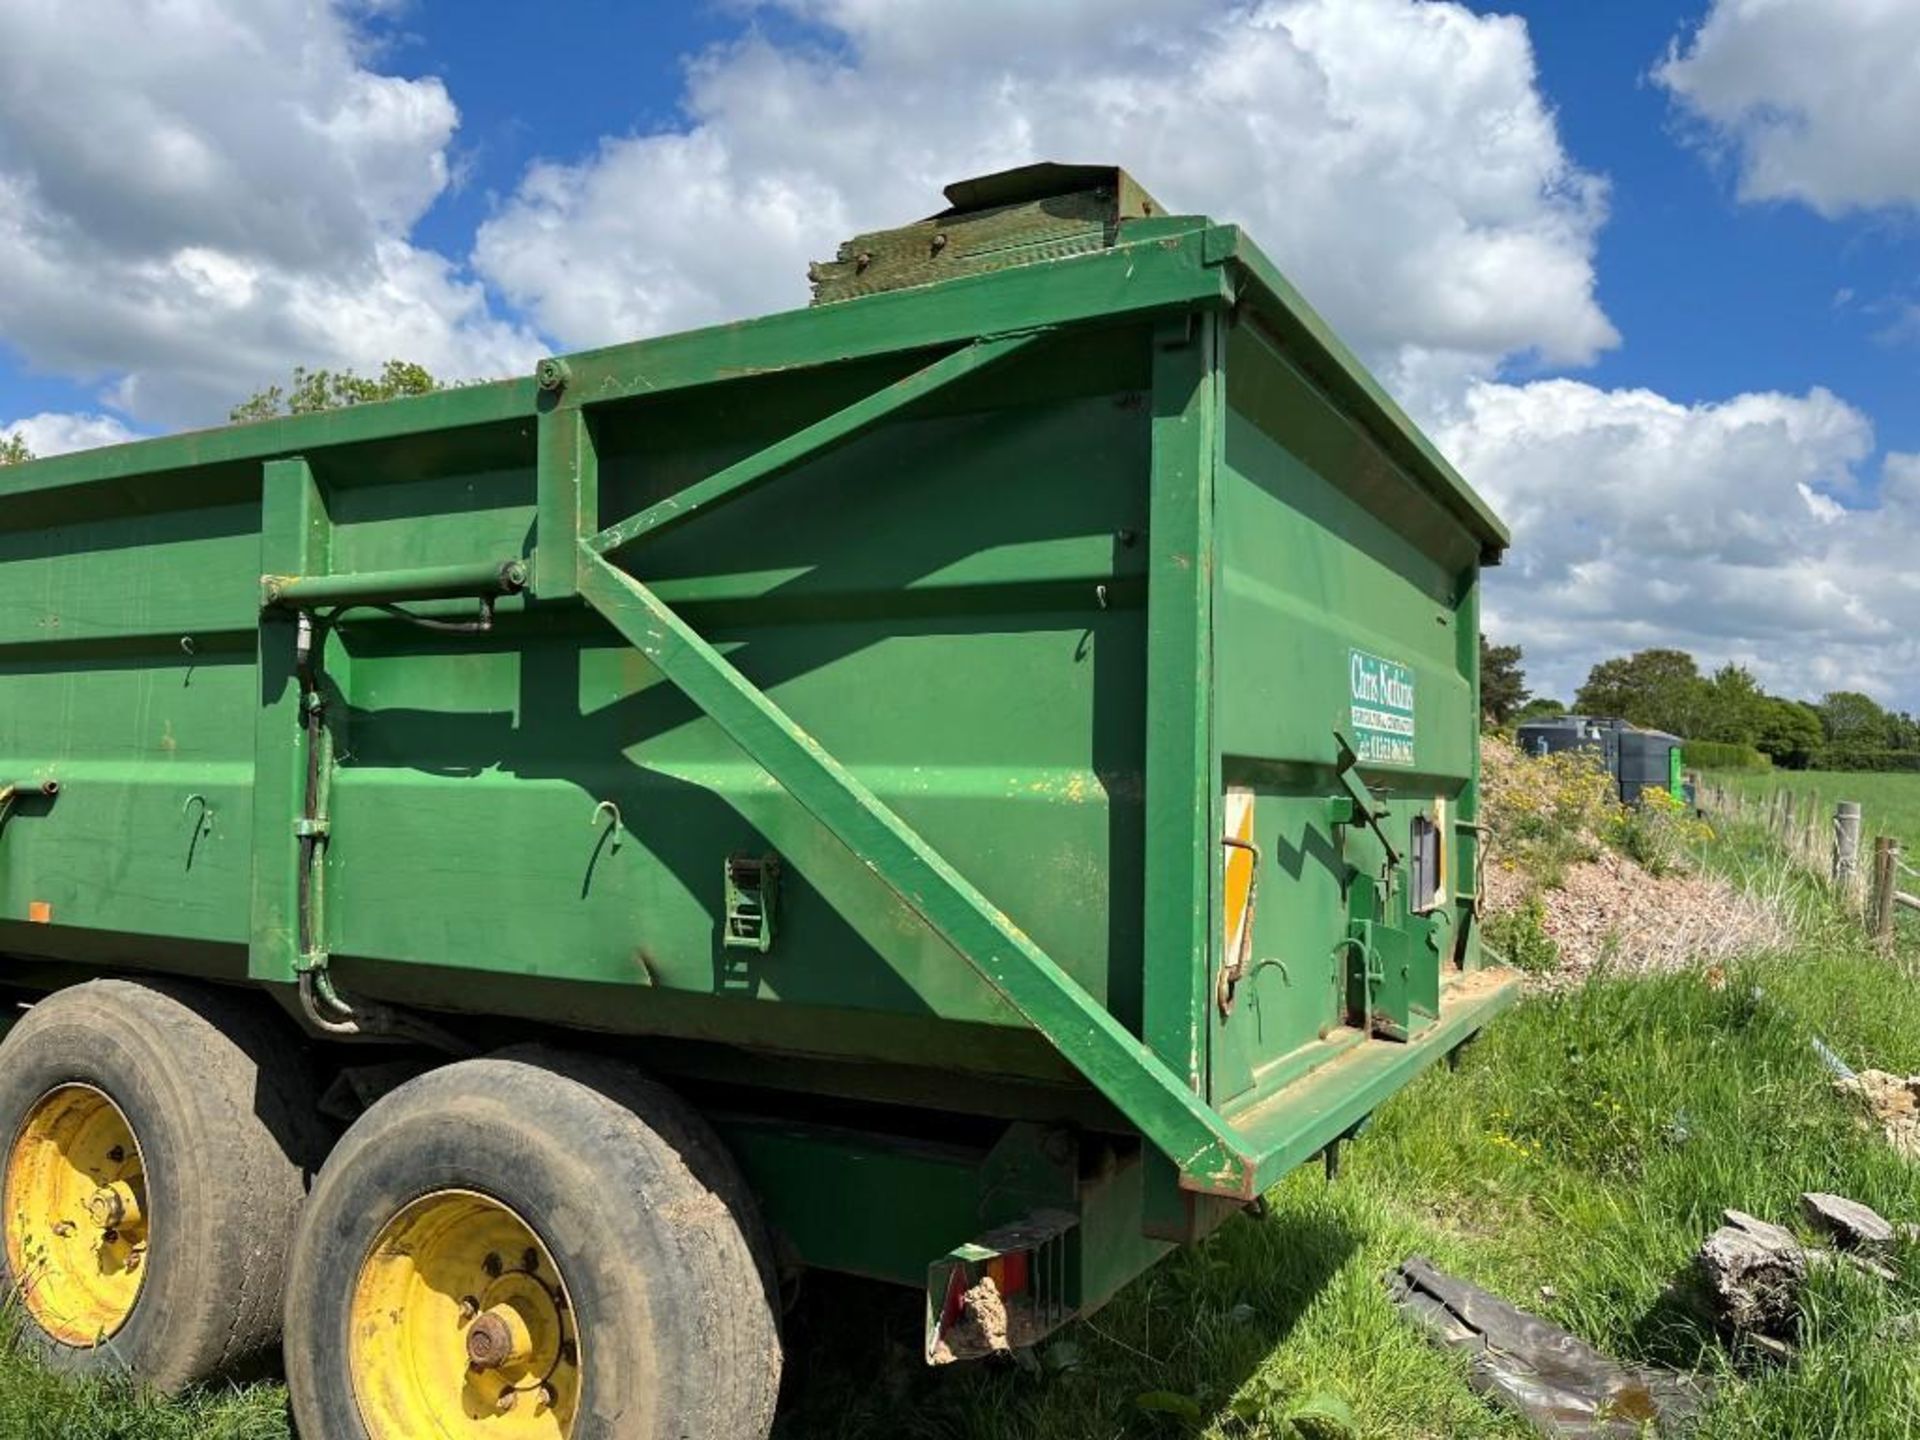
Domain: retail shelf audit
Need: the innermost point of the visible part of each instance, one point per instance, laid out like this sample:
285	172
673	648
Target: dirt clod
980	1329
1893	1101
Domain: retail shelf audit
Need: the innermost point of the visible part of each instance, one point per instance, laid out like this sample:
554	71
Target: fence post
1886	879
1846	845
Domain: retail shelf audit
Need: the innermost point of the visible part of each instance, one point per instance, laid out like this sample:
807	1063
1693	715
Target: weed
1519	936
1659	833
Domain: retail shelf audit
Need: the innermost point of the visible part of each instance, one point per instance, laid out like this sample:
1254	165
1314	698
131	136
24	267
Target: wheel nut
492	1266
506	1401
469	1307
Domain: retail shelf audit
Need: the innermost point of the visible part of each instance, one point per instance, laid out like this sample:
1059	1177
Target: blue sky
1714	296
1664	314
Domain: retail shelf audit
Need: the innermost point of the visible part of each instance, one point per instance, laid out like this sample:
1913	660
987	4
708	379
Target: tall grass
1573	1163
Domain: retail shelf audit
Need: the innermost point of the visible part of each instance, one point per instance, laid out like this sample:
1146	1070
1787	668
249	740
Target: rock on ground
1852	1225
1754	1273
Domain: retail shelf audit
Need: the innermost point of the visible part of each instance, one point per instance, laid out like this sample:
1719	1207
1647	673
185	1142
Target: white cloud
1817	100
197	194
50	433
1740	530
1396	158
244	191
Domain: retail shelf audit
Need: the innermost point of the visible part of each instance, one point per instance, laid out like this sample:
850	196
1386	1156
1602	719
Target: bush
1545	812
1860	757
1722	755
1657	833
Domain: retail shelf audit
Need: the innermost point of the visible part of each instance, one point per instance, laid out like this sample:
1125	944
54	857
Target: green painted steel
987	609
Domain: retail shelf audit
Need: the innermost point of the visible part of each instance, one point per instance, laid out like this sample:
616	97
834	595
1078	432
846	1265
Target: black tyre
536	1232
159	1137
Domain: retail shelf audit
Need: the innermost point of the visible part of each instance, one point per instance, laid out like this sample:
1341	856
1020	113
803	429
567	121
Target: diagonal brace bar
808	444
1166	1112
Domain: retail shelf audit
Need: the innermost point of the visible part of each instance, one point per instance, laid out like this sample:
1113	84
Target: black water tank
1646	762
1636	759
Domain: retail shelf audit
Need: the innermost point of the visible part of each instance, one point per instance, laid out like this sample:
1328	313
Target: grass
1889	803
1586	1145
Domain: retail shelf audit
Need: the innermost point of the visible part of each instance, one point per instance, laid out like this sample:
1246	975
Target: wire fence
1873	881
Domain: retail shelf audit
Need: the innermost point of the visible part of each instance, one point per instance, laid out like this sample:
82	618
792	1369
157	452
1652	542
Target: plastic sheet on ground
1556	1381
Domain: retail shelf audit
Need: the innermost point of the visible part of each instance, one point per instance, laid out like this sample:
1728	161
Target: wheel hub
461	1327
75	1211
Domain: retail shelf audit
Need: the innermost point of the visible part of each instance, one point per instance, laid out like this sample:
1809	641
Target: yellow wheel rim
76	1215
461	1327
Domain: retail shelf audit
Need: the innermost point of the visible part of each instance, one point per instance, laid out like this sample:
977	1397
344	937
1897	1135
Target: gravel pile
1611	912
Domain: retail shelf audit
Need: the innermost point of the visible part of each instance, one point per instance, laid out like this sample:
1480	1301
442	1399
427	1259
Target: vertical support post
294	540
1181	828
1466	811
568	503
1846	845
1182	776
1886	879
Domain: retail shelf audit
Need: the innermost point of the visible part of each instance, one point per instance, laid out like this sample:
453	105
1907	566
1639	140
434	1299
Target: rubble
1754	1272
1852	1226
1894	1101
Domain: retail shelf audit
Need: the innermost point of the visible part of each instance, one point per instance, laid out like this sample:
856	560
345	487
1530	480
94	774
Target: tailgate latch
753	883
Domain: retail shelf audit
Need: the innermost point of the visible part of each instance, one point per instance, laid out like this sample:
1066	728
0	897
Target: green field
1889	803
1573	1163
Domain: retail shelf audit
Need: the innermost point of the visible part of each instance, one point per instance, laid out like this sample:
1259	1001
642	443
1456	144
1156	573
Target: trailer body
1003	740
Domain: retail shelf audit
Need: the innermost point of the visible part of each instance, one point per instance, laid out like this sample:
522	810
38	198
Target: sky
1648	270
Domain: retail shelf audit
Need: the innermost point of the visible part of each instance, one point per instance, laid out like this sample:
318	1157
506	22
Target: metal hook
612	809
201	827
186	644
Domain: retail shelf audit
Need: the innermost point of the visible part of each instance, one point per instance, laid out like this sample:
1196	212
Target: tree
1539	707
14	451
1503	684
313	390
1788	732
1734	706
1658	688
1852	719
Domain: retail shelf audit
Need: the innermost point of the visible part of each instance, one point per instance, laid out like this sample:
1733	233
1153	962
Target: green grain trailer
967	784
